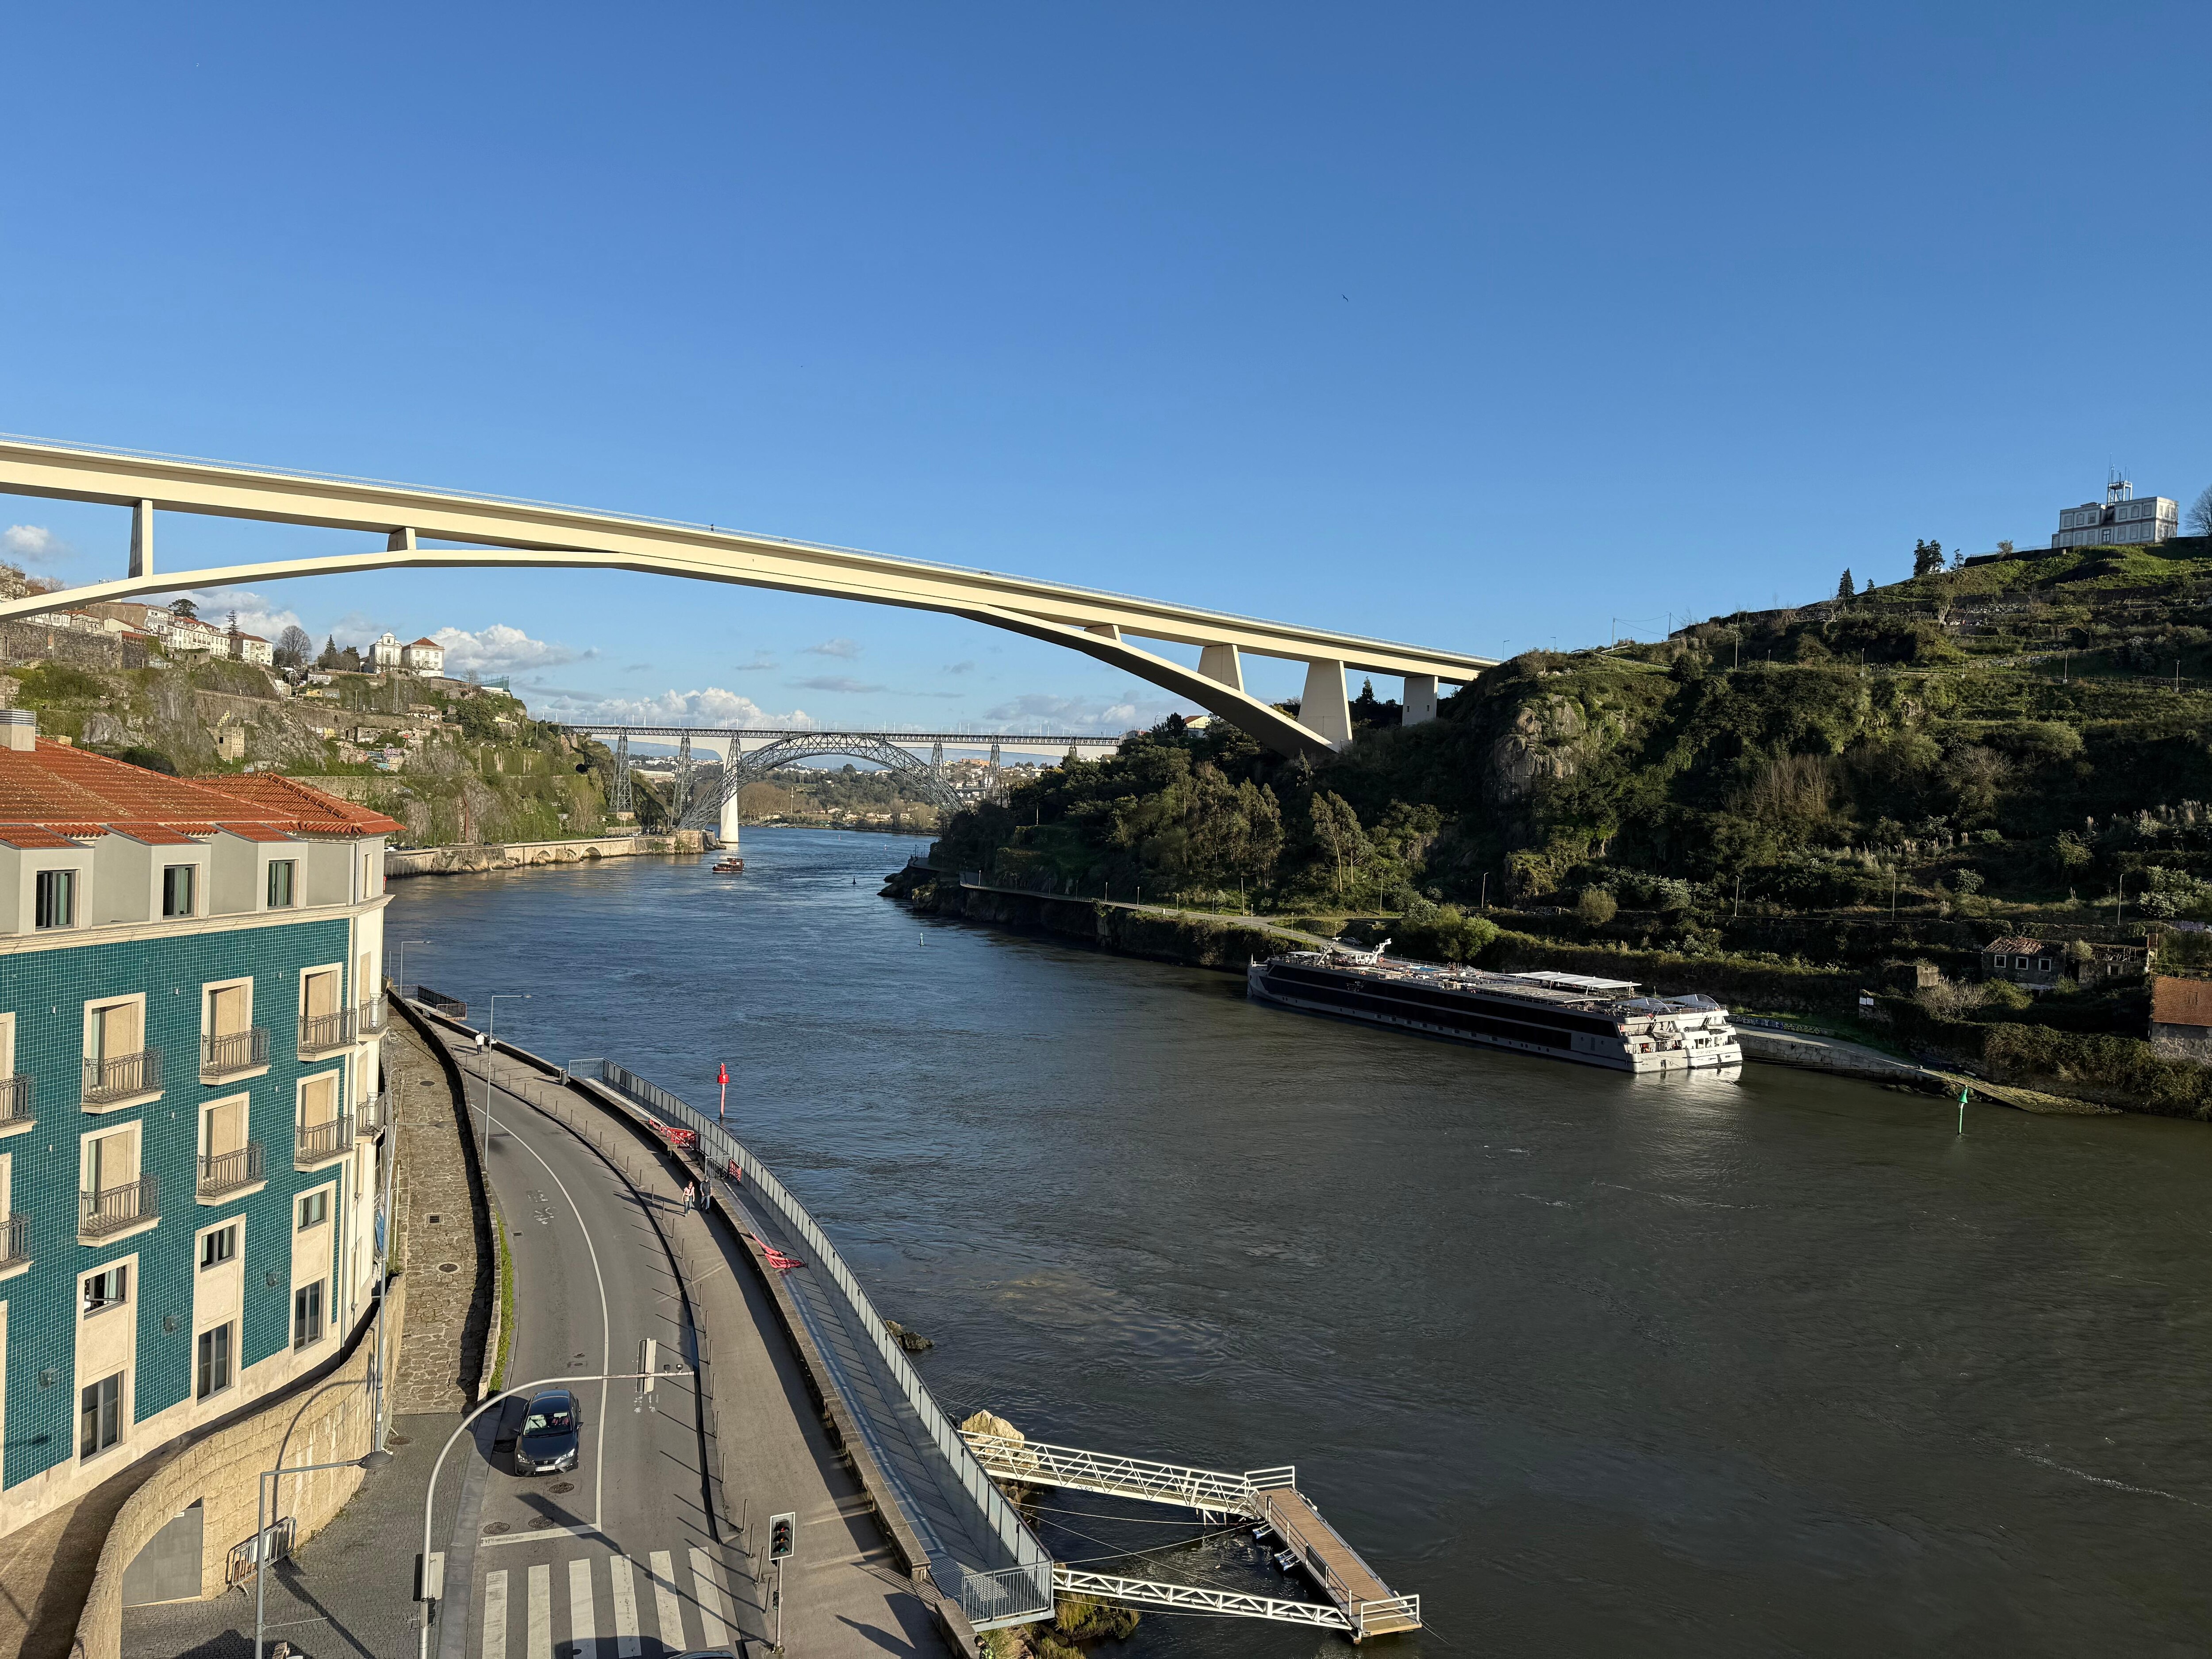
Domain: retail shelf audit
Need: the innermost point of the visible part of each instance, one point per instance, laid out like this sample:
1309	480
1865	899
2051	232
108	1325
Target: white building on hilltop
2122	517
424	657
386	652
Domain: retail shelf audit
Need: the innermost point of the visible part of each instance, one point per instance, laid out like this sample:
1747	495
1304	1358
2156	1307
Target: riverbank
400	862
1193	939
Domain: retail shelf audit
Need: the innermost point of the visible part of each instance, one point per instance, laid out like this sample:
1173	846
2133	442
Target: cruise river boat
1593	1022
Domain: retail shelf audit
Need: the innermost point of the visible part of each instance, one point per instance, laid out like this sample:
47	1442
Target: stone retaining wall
521	855
335	1420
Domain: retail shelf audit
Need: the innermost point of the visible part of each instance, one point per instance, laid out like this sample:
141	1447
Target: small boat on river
729	866
1593	1022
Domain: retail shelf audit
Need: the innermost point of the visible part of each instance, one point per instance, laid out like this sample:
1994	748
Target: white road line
495	1631
627	1645
606	1321
583	1618
539	1644
665	1604
703	1584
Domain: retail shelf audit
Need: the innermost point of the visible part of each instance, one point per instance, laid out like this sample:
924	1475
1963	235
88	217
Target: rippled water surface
1781	1365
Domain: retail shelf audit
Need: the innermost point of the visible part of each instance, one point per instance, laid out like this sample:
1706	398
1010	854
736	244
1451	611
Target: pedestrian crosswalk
697	1601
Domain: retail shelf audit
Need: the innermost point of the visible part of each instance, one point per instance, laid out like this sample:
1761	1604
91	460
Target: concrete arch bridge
707	797
500	531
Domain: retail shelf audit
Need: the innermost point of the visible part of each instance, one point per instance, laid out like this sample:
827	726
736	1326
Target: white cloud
499	649
1105	716
846	649
711	707
758	660
840	683
255	613
960	668
34	544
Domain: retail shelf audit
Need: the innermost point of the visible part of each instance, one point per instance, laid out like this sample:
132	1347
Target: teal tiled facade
47	990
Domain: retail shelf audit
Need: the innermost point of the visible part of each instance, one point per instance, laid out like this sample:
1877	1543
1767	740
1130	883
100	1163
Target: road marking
664	1602
625	1600
606	1315
710	1600
538	1536
494	1634
539	1644
583	1617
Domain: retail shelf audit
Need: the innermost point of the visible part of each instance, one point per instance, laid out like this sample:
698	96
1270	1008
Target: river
1781	1364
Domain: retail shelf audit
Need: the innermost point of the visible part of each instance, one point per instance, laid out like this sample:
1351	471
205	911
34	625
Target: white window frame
230	1360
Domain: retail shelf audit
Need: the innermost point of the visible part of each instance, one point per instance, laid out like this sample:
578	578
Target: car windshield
554	1419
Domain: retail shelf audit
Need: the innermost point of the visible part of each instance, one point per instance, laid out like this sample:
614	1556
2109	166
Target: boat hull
1487	1028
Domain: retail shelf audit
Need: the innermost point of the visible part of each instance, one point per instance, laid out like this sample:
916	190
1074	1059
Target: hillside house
2028	962
424	657
2181	1018
2094	964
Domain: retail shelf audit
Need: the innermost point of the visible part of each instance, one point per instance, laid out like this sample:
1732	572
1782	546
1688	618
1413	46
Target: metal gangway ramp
1359	1602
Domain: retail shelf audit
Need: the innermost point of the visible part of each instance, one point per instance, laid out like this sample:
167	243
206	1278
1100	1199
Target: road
625	1548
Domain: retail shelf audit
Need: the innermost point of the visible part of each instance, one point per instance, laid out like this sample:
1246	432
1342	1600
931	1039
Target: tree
1336	829
330	657
2200	515
1595	906
186	609
293	645
1844	589
1927	558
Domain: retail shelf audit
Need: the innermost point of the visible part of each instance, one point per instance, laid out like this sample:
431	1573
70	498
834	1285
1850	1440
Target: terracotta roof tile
2181	1001
25	836
154	834
255	831
2013	944
56	786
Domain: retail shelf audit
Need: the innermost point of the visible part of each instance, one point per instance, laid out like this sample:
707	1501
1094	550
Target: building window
308	1315
110	1289
314	1210
101	1415
280	883
177	889
214	1362
57	899
2044	966
219	1246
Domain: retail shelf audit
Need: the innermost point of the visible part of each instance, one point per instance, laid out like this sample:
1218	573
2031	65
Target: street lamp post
430	1493
490	1036
263	1507
399	980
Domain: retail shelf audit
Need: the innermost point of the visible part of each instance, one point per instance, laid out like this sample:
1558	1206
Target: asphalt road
622	1557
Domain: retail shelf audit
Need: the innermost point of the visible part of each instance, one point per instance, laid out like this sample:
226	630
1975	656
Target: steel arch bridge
704	808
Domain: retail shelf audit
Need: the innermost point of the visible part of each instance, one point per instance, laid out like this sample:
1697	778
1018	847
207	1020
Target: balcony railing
15	1241
233	1052
226	1172
118	1077
316	1143
325	1030
372	1117
114	1208
371	1016
15	1100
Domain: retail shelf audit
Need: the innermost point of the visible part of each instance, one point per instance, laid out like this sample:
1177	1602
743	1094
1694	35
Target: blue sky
1479	326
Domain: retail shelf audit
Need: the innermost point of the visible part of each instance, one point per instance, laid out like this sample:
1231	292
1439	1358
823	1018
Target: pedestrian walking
690	1193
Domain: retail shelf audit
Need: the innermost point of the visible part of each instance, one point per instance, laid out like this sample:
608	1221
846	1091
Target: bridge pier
1222	662
1324	709
1421	700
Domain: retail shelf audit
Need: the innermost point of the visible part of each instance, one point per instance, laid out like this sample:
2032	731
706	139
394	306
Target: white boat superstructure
1576	1016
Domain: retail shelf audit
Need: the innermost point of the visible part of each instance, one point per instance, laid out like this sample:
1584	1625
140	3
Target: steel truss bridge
503	532
748	754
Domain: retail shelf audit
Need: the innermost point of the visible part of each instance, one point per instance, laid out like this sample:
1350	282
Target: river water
1597	1366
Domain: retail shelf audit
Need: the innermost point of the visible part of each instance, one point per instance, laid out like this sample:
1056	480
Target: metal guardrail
1023	1590
1192	1598
114	1208
371	1117
371	1016
233	1052
1129	1477
15	1240
452	1007
239	1565
223	1172
15	1099
117	1076
321	1032
317	1143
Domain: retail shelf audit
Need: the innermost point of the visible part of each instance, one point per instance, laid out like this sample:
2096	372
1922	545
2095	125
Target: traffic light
780	1532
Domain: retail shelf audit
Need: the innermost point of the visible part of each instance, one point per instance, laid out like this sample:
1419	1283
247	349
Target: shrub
1595	908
